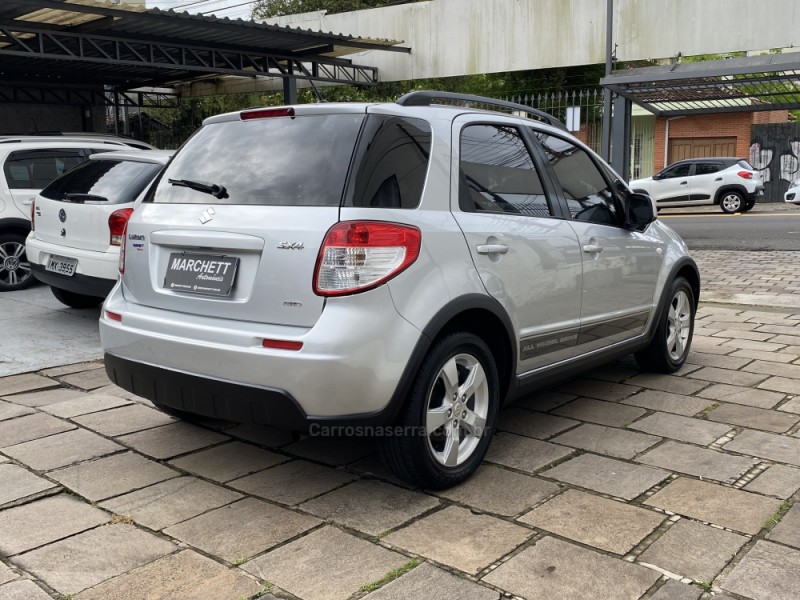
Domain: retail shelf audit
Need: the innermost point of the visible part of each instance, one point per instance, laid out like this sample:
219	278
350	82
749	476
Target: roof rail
428	97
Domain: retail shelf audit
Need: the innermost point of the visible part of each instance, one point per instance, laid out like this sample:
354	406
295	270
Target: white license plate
62	265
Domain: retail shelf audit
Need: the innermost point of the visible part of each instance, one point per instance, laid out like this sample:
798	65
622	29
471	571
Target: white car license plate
62	265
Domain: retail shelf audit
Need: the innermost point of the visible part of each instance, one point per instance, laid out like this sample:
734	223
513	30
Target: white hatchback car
792	195
78	221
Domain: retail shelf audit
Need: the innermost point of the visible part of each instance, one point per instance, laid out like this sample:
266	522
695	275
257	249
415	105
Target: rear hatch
235	223
73	211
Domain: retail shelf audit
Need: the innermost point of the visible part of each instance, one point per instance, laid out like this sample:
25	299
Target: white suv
396	269
27	164
78	221
730	183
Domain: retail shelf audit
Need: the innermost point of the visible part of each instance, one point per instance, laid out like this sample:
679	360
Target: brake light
745	174
359	255
117	223
263	113
122	249
33	215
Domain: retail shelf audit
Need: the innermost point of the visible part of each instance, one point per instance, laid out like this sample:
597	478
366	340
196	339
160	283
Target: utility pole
605	141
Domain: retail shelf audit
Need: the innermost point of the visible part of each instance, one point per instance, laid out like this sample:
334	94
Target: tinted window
586	191
278	161
391	163
745	165
117	181
676	171
497	173
34	169
707	168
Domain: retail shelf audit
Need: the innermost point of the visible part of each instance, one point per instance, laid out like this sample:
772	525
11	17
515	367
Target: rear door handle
28	202
684	183
492	249
592	248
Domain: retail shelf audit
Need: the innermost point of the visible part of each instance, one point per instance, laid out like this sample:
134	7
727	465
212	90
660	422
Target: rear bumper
95	275
78	284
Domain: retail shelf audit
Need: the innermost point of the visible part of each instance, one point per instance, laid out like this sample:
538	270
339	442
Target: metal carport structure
743	84
74	51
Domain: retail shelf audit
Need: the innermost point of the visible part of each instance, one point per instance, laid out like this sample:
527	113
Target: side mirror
639	211
658	176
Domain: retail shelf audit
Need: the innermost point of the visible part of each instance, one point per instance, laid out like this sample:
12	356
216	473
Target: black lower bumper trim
207	397
77	284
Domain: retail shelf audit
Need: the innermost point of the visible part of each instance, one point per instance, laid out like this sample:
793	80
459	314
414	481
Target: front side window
676	171
106	181
497	173
34	169
589	196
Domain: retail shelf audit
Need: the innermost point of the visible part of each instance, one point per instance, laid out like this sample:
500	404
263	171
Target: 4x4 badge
207	215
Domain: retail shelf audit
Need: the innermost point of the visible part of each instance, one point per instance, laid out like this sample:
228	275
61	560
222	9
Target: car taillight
745	174
359	255
33	215
117	223
263	113
122	249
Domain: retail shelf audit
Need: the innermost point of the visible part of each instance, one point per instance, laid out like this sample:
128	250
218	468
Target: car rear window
118	181
274	161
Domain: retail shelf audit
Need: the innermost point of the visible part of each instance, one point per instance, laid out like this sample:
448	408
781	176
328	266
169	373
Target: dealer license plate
61	265
206	274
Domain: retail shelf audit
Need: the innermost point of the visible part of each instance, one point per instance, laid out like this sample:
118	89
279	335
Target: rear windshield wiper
81	197
218	191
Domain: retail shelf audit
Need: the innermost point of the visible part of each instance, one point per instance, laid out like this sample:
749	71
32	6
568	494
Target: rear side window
118	181
34	169
707	168
391	163
274	161
745	165
497	173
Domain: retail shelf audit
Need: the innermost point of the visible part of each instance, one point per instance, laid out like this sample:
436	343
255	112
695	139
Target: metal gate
775	151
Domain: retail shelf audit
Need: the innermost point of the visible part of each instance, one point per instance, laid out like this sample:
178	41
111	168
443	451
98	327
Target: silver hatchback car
400	270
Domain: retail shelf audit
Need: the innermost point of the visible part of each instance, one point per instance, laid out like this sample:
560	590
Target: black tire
75	300
15	270
731	202
412	454
748	205
666	354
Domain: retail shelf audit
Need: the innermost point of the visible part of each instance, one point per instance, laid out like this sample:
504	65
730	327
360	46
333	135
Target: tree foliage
275	8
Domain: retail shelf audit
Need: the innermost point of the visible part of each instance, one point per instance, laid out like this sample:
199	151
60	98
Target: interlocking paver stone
607	440
23	589
73	368
792	406
86	559
734	509
87	380
112	475
777	480
533	424
85	404
500	491
524	453
6	574
458	538
9	410
668	383
293	482
598	411
242	529
229	461
779	448
29	526
17	483
16	384
557	570
30	427
171	440
327	564
777	356
781	384
262	435
787	531
183	576
172	501
767	572
544	400
742	395
727	376
681	428
757	418
768	367
61	449
674	590
45	397
715	360
668	402
370	506
602	390
125	419
607	475
430	583
594	520
332	451
694	550
702	462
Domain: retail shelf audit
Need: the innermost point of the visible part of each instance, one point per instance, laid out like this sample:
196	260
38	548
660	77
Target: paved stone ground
615	485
